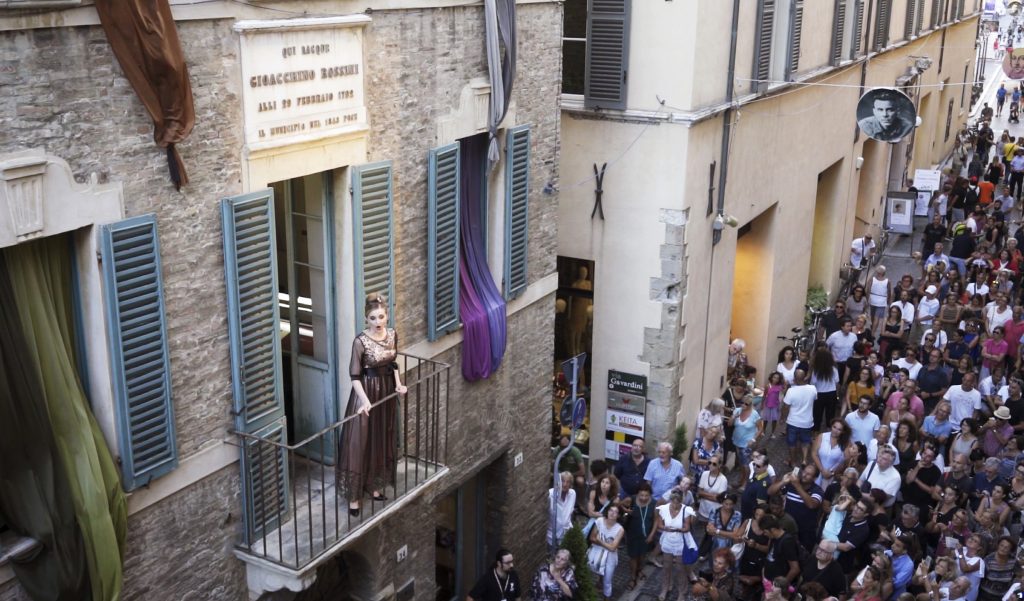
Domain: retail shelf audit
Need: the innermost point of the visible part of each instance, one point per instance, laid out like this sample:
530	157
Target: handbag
738	548
865	486
690	554
597	557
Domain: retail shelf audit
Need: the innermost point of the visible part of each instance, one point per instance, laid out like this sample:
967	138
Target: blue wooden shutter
443	177
517	222
254	330
374	234
607	53
137	337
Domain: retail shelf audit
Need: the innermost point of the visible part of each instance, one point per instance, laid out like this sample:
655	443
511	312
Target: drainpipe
723	175
716	233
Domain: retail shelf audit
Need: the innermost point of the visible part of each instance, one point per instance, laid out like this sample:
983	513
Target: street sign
579	412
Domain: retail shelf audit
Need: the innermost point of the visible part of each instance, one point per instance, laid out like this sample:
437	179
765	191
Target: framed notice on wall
899	211
626	413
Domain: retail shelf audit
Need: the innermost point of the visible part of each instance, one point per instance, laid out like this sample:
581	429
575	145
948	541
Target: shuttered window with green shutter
443	177
517	179
373	226
607	53
254	333
137	337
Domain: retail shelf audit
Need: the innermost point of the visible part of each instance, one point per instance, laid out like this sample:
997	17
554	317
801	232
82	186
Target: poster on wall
886	115
899	211
626	413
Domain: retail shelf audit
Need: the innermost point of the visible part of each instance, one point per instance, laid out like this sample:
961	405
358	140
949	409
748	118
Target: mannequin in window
367	449
579	312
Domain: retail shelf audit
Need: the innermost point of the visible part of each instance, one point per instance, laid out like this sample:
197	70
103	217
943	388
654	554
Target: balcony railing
295	513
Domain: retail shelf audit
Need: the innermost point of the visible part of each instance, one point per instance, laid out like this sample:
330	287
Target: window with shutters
883	19
796	22
919	17
517	218
839	37
909	19
373	225
857	44
595	51
763	41
936	18
443	176
455	211
139	361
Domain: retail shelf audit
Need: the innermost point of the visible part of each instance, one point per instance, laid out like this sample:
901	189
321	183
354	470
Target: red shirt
1012	331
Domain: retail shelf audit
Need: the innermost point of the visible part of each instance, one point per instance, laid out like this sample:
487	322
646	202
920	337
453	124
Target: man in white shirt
863	424
927	309
941	339
882	475
906	308
798	415
861	249
841	344
964	401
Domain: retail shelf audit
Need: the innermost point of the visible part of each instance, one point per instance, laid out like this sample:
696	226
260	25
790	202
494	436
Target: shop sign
625	416
302	79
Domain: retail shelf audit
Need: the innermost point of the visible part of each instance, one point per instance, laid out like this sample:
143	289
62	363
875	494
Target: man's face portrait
885	112
1013	64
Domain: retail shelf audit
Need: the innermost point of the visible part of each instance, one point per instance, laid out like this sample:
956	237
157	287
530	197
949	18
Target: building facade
676	113
335	145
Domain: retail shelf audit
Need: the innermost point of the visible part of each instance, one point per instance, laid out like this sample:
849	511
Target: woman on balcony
367	447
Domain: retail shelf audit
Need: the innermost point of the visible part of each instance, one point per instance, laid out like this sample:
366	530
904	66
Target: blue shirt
630	474
1001	93
902	570
743	433
662	479
936	429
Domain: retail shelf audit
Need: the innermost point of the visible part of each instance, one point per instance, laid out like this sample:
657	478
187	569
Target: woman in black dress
367	447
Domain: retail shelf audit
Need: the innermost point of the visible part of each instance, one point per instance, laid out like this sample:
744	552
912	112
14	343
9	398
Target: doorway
752	284
823	266
460	539
305	250
574	334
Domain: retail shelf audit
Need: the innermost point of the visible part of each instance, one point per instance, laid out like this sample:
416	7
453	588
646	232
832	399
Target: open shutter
936	11
443	177
517	222
374	235
838	31
919	16
882	25
254	328
908	21
763	44
796	27
607	53
858	29
137	337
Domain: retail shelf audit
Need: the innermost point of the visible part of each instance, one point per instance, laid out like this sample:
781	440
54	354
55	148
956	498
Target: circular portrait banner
886	115
1013	63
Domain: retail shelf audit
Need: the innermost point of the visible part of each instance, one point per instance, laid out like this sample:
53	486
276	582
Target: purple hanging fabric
483	301
476	335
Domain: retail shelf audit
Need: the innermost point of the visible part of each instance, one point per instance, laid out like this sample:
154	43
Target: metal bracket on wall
598	191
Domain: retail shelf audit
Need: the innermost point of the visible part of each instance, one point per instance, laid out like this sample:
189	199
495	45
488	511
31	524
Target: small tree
681	445
576	543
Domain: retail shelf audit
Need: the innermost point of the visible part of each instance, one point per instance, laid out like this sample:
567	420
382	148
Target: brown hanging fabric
145	41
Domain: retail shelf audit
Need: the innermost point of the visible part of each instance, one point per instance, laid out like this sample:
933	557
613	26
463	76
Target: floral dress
545	588
705	453
721	542
368	446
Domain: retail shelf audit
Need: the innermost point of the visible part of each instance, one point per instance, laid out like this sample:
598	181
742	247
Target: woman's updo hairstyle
375	301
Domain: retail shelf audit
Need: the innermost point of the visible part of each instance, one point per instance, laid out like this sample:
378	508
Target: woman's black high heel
353	511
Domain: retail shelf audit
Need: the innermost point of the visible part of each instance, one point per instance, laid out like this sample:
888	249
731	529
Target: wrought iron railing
294	509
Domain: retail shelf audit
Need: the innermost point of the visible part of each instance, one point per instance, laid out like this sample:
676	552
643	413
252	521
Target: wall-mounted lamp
858	162
724	220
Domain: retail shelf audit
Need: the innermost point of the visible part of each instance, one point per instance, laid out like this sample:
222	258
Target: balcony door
305	247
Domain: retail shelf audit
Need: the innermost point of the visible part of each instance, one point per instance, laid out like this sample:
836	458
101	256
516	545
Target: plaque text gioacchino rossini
301	82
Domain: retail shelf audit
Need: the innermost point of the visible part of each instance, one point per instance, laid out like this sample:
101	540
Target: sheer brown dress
367	449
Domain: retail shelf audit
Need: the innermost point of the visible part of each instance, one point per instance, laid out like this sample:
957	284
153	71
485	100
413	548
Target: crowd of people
904	428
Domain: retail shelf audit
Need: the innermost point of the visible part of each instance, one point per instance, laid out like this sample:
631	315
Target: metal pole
556	487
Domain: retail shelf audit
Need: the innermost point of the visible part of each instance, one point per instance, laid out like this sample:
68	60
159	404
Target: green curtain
35	497
41	278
